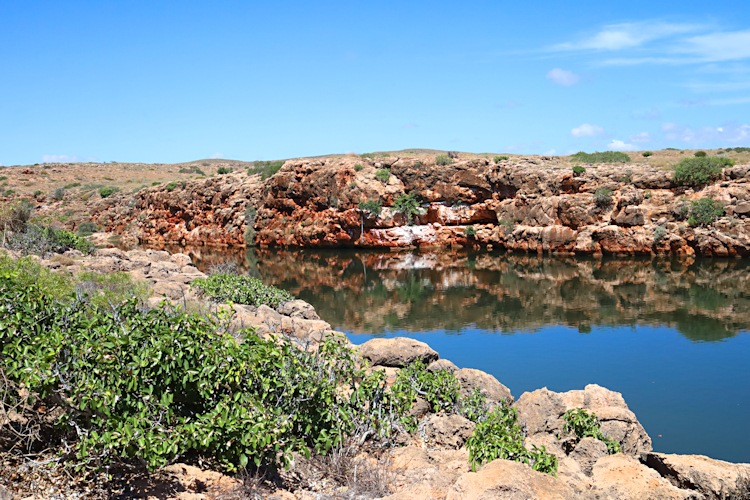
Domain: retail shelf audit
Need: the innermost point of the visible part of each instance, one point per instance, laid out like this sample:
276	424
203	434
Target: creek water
670	335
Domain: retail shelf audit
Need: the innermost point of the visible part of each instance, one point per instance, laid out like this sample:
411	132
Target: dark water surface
670	335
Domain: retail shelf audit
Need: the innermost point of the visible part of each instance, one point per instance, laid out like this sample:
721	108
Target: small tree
367	209
408	205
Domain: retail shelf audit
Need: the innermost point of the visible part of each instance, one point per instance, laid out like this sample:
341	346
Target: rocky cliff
528	204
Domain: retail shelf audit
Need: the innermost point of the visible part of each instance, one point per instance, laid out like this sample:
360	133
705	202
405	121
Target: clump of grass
603	197
704	212
646	154
443	160
498	159
601	157
241	290
107	191
383	174
265	169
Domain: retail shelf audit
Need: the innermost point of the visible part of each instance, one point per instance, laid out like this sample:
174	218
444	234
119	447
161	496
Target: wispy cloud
563	77
587	130
618	145
614	37
59	159
724	135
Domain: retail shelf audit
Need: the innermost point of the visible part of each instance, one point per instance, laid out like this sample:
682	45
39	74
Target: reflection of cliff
369	292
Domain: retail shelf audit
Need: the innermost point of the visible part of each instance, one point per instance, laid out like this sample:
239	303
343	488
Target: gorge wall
527	204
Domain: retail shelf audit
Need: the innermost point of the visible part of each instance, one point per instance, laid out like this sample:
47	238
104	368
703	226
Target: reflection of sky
695	395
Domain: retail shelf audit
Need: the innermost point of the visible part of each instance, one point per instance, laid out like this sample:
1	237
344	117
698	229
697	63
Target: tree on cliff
367	209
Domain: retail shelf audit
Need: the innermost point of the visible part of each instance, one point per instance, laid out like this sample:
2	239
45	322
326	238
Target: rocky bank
524	203
434	462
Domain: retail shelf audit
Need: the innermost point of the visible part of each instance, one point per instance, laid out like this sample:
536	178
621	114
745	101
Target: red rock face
529	204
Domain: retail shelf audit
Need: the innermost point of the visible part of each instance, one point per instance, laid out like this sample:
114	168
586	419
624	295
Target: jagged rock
298	309
488	385
442	364
398	352
541	411
713	478
623	477
586	452
426	473
617	421
448	431
512	480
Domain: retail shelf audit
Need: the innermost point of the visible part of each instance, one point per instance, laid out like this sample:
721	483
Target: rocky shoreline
524	204
434	462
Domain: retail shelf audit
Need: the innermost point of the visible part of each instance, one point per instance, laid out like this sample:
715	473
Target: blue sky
177	81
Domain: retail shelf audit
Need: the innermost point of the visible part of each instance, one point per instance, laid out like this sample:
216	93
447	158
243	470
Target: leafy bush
193	169
578	170
58	194
223	170
107	191
584	424
371	207
603	197
443	160
500	435
699	171
15	215
383	174
86	228
498	159
408	205
475	406
241	290
646	154
171	186
439	388
601	157
704	211
660	232
470	231
155	386
358	167
265	168
700	154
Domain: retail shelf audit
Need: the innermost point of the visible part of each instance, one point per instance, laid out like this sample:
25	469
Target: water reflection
375	292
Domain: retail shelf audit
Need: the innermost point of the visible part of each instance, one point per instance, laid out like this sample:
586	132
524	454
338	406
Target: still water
670	335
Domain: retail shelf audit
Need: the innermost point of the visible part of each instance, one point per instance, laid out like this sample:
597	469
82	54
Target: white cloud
618	145
59	159
714	47
641	138
587	130
725	135
563	77
627	36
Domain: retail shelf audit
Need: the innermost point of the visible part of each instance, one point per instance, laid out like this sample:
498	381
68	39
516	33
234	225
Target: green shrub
161	385
603	197
265	169
439	388
660	232
646	154
500	435
704	212
87	228
58	194
470	231
107	191
358	167
601	157
498	159
171	186
578	170
443	160
584	424
371	207
15	215
408	205
383	174
9	192
194	169
699	171
37	193
223	170
241	290
700	154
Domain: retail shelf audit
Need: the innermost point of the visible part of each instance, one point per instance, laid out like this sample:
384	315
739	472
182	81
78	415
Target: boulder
471	379
448	431
426	473
541	411
398	352
713	478
623	477
512	480
586	452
